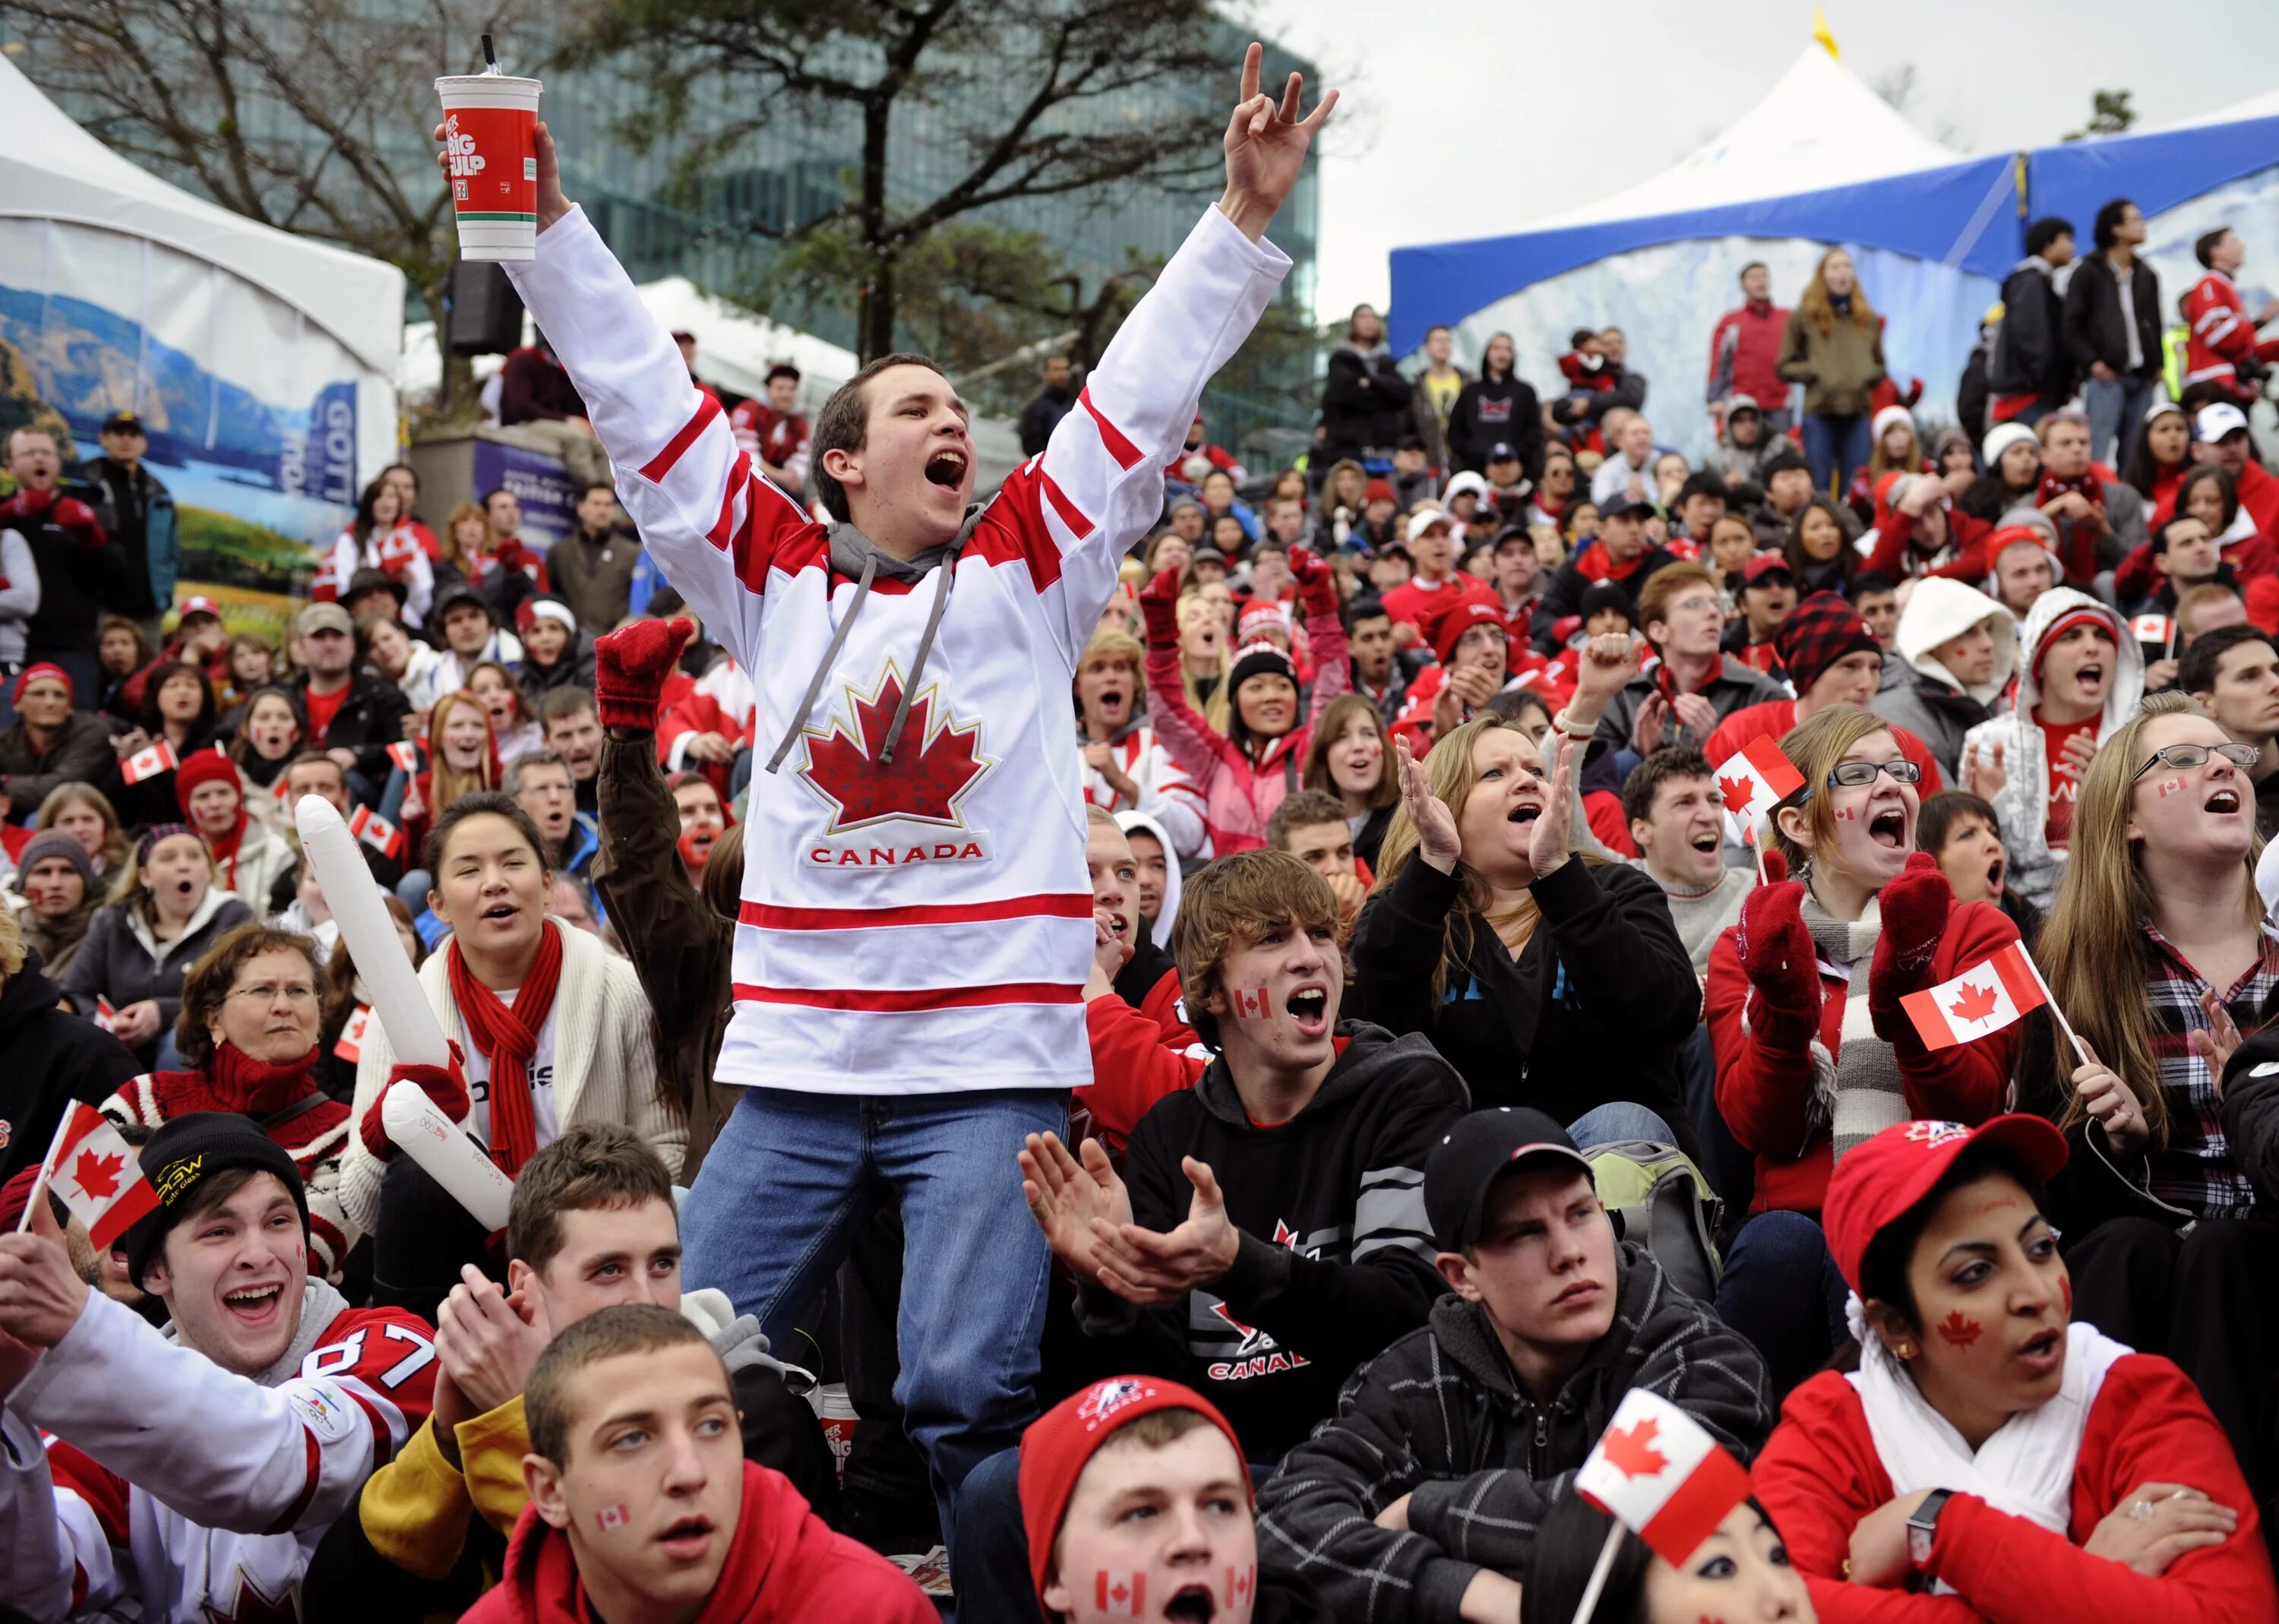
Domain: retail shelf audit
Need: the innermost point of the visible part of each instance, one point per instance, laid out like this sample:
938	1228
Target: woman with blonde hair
462	759
1546	977
1833	346
85	812
1815	1053
1206	662
2158	952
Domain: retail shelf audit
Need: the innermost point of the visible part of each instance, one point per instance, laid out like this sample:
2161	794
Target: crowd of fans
1471	1040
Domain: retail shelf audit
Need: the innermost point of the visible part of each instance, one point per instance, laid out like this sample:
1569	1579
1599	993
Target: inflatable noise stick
446	1155
354	896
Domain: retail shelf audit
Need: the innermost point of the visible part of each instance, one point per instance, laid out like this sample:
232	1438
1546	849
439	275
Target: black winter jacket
370	719
1364	404
1336	1253
48	1059
1440	1416
1490	409
80	752
1594	1009
2094	329
2031	356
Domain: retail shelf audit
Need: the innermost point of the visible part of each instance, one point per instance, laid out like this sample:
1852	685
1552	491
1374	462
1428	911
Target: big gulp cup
490	125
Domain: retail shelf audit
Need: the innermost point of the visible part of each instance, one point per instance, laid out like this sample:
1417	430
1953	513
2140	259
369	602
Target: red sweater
1138	1057
1819	1475
1765	1074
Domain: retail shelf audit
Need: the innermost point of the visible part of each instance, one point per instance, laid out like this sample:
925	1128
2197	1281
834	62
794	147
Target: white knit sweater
604	1062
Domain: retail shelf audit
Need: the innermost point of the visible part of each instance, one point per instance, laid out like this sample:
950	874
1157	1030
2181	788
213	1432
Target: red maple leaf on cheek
1631	1452
1959	1331
1738	793
98	1175
1973	1003
922	781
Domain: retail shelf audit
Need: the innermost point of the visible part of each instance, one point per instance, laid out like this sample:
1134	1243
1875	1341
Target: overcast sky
1467	117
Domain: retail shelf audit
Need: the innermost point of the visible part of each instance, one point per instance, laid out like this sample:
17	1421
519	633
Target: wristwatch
1923	1528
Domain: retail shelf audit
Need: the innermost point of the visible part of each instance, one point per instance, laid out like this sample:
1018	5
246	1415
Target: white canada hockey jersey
920	925
199	1493
1166	794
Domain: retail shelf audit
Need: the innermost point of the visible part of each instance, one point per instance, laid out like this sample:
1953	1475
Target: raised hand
1265	149
1983	772
2215	1045
552	205
1549	842
41	1294
1070	1197
1437	842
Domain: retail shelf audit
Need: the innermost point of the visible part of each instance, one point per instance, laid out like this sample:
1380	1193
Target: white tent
264	363
1820	158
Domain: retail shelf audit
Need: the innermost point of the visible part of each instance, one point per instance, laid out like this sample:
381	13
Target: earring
1906	1350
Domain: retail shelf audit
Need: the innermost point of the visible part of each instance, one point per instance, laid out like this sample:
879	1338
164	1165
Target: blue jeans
1837	445
2116	413
792	1176
1766	1294
1618	1119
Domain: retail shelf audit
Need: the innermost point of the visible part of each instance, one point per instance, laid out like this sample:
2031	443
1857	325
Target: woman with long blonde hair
1833	346
2158	951
1546	978
1206	661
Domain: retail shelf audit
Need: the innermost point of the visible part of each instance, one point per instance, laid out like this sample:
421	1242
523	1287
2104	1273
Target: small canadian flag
1118	1595
350	1046
1658	1472
405	755
1755	779
2151	629
150	763
96	1173
612	1517
106	1013
1985	998
377	832
1250	1002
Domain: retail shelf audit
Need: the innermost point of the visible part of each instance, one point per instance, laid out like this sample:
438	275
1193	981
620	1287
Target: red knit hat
204	767
34	673
2086	616
1877	1182
1058	1445
1470	613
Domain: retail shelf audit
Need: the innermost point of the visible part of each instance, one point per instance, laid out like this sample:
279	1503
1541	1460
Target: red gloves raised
1915	909
445	1086
630	668
1159	608
1777	953
1317	586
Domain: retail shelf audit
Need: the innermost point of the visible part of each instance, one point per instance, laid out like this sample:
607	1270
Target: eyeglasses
2240	755
1851	775
296	993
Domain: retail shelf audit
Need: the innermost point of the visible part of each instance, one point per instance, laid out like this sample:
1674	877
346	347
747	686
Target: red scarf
507	1037
255	1088
225	855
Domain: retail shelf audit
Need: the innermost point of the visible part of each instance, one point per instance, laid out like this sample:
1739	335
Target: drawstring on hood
850	547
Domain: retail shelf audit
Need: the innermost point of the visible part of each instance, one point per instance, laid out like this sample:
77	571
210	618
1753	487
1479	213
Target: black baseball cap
123	423
1512	533
1621	502
1502	451
1480	1149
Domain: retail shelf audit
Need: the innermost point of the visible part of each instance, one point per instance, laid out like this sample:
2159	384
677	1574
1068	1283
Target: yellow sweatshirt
415	1508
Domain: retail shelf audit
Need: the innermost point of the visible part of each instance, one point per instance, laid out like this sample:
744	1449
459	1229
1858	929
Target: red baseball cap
198	605
1470	613
1763	564
1878	1182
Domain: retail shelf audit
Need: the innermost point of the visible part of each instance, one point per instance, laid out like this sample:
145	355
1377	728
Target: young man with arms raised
591	1225
196	1471
915	657
643	1508
1421	1499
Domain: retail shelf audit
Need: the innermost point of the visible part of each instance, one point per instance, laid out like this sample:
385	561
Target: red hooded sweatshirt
785	1567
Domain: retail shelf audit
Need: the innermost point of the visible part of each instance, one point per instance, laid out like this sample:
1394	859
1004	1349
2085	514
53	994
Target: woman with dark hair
382	538
121	649
1499	405
1984	1446
1833	346
1820	554
2163	457
247	1035
1739	1574
178	710
164	913
268	737
2011	476
551	1029
1351	757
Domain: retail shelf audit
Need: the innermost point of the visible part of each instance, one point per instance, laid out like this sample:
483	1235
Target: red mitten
30	502
630	668
1159	607
73	513
445	1086
1317	586
1915	907
1777	950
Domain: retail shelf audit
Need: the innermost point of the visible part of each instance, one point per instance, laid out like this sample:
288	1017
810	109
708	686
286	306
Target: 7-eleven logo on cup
377	832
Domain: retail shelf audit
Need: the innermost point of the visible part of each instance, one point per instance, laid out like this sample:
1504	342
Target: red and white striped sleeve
1073	512
696	497
222	1450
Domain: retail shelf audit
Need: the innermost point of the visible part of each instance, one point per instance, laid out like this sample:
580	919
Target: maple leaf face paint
1196	1553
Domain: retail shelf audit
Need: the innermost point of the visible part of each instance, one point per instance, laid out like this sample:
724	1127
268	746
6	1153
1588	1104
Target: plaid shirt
2195	1169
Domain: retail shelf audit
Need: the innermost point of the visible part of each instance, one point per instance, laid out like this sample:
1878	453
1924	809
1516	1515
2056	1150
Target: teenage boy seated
1135	1501
1421	1499
192	1474
1311	826
643	1506
591	1223
1676	817
1264	1290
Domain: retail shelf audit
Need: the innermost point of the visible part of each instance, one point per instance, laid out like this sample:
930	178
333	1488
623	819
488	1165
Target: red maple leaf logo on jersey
1958	1330
932	768
1738	793
1973	1003
253	1605
98	1175
1631	1452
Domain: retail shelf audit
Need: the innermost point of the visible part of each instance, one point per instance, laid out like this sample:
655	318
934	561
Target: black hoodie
48	1059
1336	1255
1441	1417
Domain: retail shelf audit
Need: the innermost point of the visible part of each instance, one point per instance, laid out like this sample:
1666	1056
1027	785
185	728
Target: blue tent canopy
2156	171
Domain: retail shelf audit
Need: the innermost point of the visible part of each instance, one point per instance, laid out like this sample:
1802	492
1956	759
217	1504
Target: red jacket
1416	603
1745	353
2222	336
786	1568
1138	1057
1765	1075
1819	1475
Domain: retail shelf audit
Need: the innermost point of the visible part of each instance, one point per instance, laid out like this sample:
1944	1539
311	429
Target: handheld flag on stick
1754	779
1657	1472
96	1173
1984	999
